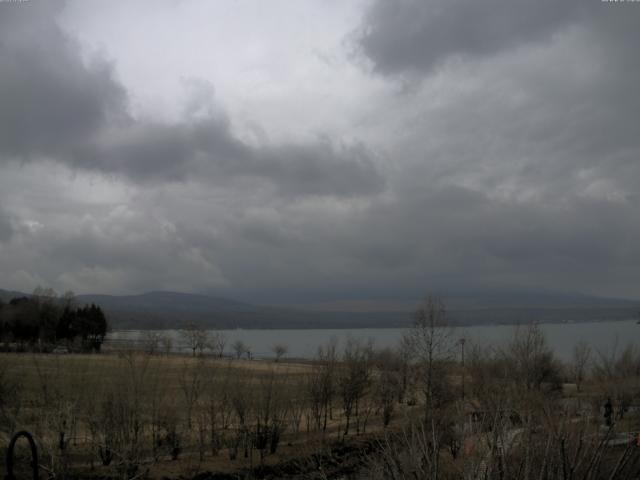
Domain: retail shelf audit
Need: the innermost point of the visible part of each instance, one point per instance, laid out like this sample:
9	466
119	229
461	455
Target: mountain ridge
168	309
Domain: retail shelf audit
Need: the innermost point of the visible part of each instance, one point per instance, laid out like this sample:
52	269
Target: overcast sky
318	149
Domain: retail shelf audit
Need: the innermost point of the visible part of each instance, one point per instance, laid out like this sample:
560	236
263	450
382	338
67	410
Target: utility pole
464	411
462	342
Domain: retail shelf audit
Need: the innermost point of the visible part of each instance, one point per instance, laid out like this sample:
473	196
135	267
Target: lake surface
562	337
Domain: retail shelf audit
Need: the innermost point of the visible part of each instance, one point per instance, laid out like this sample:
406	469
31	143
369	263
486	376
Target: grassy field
169	415
131	415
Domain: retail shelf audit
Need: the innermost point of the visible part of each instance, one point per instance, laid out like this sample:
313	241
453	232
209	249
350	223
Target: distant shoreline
375	327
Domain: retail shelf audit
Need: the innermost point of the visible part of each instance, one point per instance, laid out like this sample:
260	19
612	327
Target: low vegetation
427	409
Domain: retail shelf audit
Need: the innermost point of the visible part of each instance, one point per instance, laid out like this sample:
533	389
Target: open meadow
413	411
144	409
129	413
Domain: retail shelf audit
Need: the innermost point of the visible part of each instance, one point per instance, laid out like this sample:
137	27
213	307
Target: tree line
43	321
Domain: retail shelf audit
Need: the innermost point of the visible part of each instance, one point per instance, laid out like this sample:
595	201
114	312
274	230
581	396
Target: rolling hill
157	310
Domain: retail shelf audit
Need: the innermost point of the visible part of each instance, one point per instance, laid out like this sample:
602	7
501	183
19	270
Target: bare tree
531	359
191	383
270	410
217	343
355	377
328	359
314	393
239	348
431	342
156	399
166	342
241	400
213	406
386	393
298	401
579	360
279	350
405	355
195	337
151	342
389	382
616	374
119	421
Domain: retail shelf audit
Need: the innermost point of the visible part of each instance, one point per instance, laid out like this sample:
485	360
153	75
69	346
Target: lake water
562	337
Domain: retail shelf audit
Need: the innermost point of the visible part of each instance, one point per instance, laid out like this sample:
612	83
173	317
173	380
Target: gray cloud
319	169
448	237
50	99
514	166
550	119
152	152
145	151
6	227
416	35
427	237
56	106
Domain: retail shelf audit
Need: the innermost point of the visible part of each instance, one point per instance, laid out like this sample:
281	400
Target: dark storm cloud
145	151
415	35
207	147
50	99
555	117
56	106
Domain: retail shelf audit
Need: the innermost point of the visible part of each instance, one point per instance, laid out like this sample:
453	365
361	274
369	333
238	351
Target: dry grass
29	366
66	392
